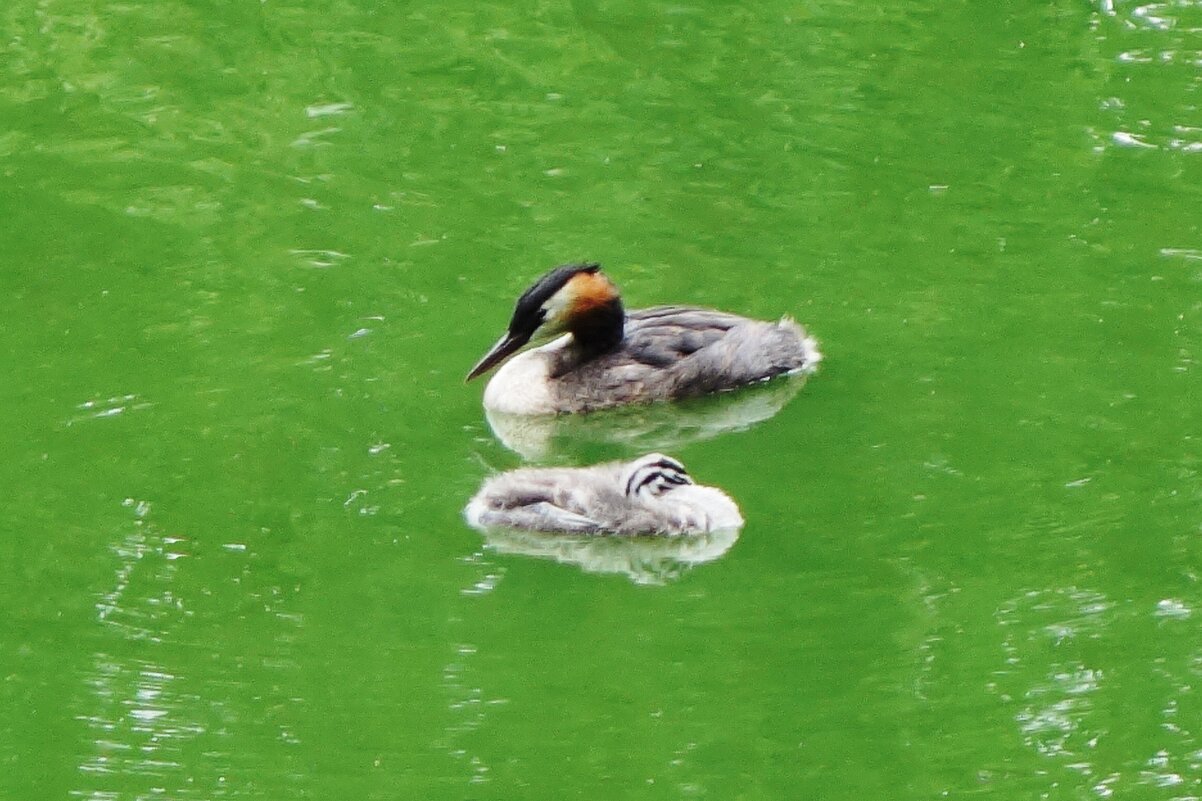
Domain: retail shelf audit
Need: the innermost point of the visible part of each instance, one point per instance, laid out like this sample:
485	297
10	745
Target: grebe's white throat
522	385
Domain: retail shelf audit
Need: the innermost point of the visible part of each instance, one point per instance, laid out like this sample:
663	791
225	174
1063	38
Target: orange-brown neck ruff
595	318
589	290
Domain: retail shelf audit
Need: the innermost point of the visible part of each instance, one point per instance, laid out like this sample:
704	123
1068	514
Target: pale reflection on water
469	707
149	705
1161	42
640	429
139	721
1067	713
643	559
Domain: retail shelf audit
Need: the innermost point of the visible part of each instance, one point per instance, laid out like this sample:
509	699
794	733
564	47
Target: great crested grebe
608	357
650	495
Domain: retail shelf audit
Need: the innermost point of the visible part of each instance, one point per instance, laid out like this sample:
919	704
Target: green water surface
251	249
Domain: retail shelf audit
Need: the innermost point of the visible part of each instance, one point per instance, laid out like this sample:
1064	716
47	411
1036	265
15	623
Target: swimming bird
608	357
653	494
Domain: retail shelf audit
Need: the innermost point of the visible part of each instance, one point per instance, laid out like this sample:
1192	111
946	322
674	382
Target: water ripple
1160	42
1058	680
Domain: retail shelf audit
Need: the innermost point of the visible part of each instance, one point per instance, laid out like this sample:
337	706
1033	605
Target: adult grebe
650	495
609	358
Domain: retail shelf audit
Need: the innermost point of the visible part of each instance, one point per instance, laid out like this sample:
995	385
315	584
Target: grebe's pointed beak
497	353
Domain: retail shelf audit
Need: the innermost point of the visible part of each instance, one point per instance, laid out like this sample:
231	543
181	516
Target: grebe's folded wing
531	499
544	516
662	335
672	352
708	351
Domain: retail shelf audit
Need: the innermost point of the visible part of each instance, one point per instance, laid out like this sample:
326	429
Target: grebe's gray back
676	352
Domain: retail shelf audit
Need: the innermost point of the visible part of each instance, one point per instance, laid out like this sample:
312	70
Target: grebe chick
650	495
608	357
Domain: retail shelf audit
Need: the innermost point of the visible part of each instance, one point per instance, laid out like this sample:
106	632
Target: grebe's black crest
530	311
533	309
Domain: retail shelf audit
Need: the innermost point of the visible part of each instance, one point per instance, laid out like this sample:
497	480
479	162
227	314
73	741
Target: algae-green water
250	250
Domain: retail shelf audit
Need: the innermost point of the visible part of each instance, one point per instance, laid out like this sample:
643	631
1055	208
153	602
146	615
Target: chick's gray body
598	500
